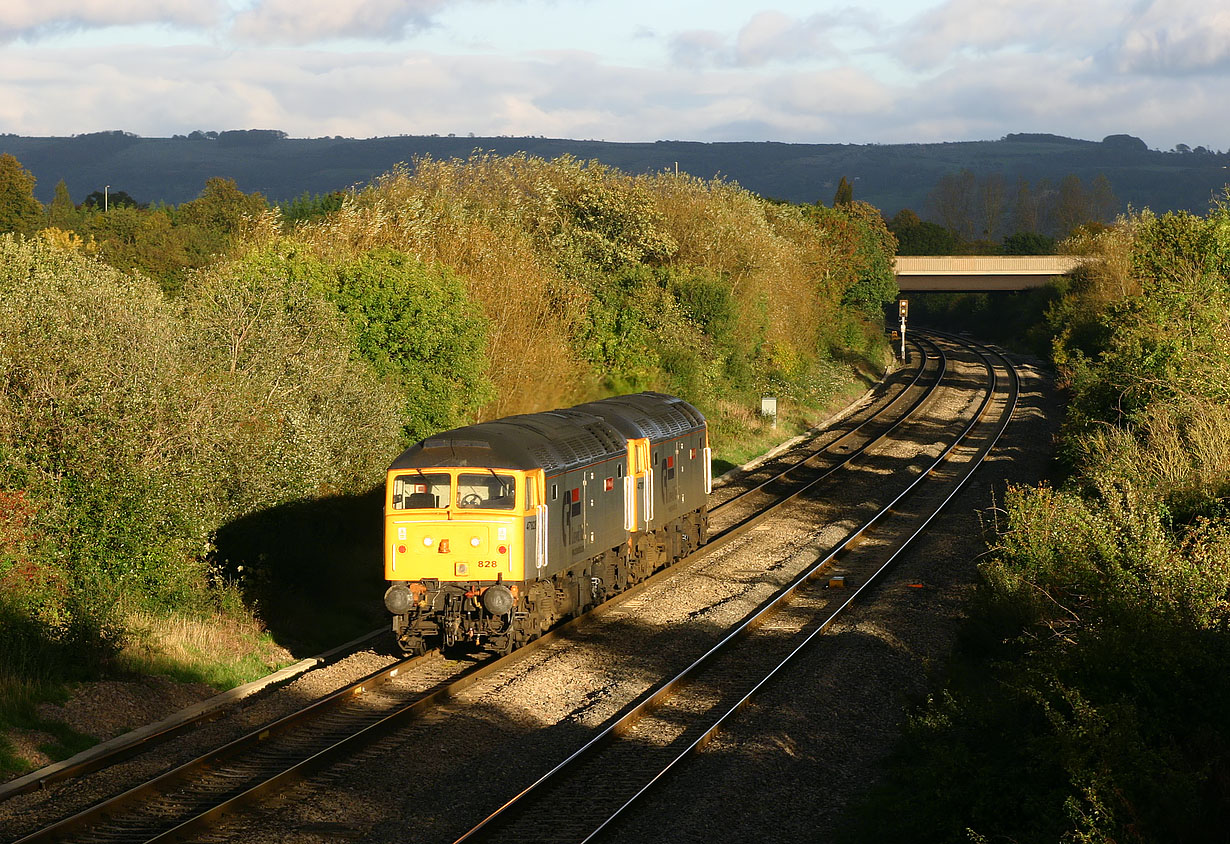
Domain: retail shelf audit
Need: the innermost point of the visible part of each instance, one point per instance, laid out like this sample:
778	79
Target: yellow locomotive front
455	553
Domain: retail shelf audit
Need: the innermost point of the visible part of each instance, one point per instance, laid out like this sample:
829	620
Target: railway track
593	787
188	799
853	436
777	487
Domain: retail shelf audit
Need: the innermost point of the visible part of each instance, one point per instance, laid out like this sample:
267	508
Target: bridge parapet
980	272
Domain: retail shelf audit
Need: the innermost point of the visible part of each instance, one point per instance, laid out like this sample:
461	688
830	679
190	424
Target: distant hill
890	176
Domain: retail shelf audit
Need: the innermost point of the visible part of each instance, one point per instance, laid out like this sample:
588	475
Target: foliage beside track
595	282
1088	703
196	403
133	427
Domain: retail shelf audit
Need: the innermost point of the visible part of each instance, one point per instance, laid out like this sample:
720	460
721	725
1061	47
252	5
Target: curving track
593	787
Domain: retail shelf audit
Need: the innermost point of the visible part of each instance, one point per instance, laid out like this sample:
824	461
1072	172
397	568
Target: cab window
487	491
420	491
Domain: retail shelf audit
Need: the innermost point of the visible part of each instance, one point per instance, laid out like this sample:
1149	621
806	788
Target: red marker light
503	549
401	549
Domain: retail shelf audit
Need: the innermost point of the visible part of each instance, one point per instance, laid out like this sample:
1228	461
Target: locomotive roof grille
659	428
586	448
565	451
546	457
603	434
443	442
677	421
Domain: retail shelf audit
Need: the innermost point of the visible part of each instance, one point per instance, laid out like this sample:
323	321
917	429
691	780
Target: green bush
132	429
1161	339
416	326
277	389
873	281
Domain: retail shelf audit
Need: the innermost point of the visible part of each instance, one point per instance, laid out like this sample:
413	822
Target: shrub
556	254
416	326
131	430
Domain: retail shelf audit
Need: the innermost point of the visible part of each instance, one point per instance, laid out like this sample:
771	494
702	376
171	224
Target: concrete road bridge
980	273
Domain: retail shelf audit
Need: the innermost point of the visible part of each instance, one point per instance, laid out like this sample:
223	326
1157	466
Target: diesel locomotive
496	531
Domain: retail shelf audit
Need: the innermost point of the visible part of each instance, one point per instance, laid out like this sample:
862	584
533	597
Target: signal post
903	307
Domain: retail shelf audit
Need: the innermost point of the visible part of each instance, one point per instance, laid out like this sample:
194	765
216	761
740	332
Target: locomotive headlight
398	599
427	541
475	541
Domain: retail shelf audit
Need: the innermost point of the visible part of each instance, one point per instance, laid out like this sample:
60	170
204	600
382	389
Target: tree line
163	242
985	215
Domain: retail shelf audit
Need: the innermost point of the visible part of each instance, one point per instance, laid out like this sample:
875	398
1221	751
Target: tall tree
63	213
1029	243
991	205
108	199
1025	209
216	216
870	282
133	238
1046	202
845	193
1103	203
953	200
920	237
19	211
1072	207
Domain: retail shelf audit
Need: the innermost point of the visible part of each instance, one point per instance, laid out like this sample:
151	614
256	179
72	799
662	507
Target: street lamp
106	197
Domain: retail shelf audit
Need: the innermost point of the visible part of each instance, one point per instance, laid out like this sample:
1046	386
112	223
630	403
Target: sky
894	71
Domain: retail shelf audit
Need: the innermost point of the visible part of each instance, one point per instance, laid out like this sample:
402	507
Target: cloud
1152	37
313	93
987	26
1178	37
770	37
309	21
33	19
157	91
699	48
